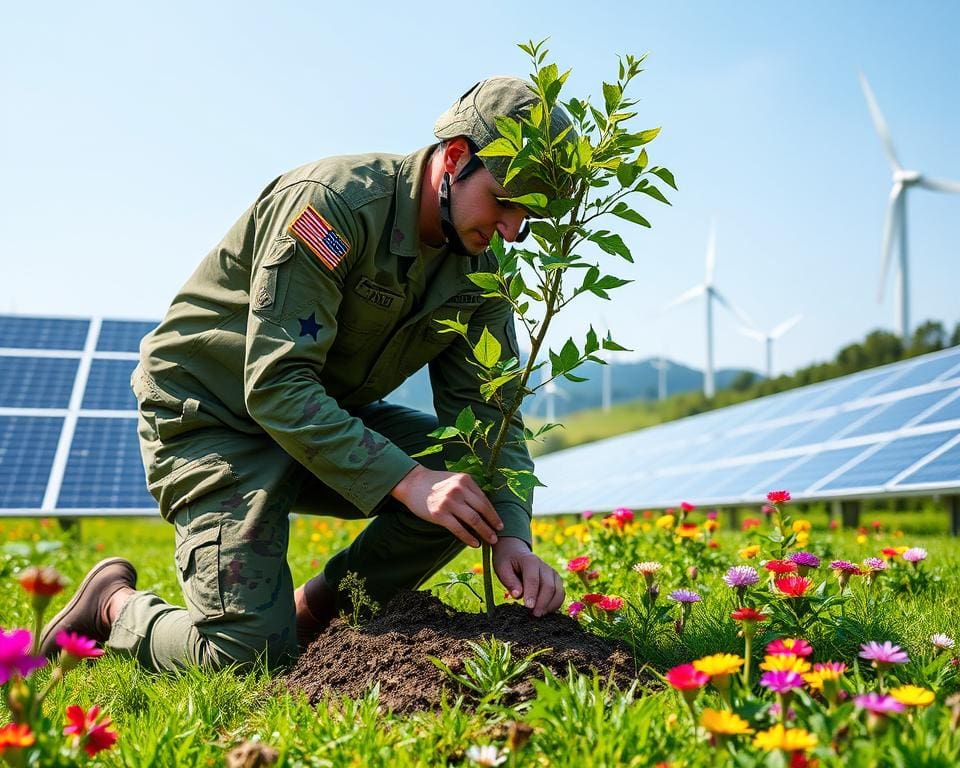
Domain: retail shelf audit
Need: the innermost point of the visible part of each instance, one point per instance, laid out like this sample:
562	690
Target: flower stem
487	579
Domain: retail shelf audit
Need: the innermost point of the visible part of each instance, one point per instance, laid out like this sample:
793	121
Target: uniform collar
405	238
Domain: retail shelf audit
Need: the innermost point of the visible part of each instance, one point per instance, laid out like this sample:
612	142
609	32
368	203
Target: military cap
473	116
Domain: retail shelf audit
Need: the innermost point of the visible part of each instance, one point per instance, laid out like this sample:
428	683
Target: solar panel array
68	434
893	430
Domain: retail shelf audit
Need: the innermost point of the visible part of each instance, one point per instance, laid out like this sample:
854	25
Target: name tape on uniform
323	241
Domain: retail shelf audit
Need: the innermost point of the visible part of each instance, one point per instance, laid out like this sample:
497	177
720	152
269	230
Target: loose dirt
393	648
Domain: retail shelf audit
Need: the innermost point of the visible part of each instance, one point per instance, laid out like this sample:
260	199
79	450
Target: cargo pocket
186	483
270	282
198	562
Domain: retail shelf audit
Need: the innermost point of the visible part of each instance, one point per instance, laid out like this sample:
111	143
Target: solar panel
883	431
68	429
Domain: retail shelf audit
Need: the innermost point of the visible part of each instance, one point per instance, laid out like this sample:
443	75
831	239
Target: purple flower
888	653
685	596
845	566
805	559
875	564
915	554
781	681
15	655
741	577
878	703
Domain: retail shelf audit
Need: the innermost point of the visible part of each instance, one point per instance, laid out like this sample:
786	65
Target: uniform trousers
229	496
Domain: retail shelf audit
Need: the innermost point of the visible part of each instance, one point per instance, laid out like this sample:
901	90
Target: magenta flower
576	608
15	655
741	577
878	703
804	560
76	648
781	680
915	555
884	654
845	566
685	596
790	646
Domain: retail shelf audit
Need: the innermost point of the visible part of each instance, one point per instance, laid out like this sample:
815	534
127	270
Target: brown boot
85	613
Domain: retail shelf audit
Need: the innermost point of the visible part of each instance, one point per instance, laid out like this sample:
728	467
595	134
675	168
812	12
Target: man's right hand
451	500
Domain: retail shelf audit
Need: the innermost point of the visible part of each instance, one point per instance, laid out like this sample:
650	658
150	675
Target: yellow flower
817	678
801	525
803	538
718	664
710	525
862	539
558	539
913	695
786	662
315	537
748	553
688	532
666	522
723	722
902	549
791	740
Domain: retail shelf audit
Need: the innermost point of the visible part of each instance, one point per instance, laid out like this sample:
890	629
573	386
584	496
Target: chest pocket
367	313
270	282
459	307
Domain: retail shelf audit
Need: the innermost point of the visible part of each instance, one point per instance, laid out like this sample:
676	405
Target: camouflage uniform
261	393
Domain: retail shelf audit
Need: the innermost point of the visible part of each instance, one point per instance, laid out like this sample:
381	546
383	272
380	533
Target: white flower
941	641
486	755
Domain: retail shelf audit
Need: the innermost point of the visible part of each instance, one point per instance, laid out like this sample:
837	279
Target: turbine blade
891	226
758	335
742	316
686	296
785	326
879	123
711	253
939	185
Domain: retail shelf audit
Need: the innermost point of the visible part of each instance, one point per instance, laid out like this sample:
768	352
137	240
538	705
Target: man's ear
456	154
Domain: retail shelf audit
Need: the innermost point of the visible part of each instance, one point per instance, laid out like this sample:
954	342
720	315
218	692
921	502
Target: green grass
194	717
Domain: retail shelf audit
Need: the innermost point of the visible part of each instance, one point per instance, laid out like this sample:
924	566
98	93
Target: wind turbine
551	391
896	220
768	338
711	294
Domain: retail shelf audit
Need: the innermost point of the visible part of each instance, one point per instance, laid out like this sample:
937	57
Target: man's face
478	214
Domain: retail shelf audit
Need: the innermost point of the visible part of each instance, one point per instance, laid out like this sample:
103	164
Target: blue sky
133	135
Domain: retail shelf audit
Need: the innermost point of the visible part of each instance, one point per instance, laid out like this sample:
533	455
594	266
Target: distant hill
630	381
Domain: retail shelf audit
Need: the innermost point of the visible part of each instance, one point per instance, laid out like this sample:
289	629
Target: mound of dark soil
392	650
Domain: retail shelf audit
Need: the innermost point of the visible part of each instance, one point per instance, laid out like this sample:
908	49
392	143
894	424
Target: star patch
309	325
315	232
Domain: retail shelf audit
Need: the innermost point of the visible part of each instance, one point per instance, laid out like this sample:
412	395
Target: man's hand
452	500
526	575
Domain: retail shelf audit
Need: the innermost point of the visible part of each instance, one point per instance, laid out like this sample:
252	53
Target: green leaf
487	349
489	388
576	379
452	326
609	343
624	211
532	200
498	148
611	96
445	433
664	175
655	193
627	174
466	421
642	160
521	482
646	137
569	356
509	129
561	207
486	280
609	281
516	286
592	344
427	451
611	243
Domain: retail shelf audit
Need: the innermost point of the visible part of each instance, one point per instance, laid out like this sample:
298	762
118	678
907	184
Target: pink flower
778	497
884	654
879	704
88	730
781	680
578	564
686	677
576	608
15	658
793	586
790	646
620	517
915	555
75	648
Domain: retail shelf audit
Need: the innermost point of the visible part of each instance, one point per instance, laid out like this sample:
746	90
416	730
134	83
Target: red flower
610	603
86	729
750	522
686	507
712	544
40	581
748	614
793	586
620	517
778	497
890	552
593	598
16	736
687	678
578	564
780	567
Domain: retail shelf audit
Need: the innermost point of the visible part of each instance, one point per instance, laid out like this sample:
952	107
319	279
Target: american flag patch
324	241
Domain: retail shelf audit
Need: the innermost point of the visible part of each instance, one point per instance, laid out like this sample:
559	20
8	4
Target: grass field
195	718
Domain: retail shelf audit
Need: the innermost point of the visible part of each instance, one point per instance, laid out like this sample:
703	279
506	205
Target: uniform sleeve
296	284
455	386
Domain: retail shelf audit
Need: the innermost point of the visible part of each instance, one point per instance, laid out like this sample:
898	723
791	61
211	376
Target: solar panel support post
953	502
850	513
733	517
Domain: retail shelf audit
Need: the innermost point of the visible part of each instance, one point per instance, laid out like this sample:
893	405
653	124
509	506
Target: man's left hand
526	575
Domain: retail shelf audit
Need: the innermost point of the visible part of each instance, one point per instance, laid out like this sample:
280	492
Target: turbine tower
895	225
709	291
768	338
